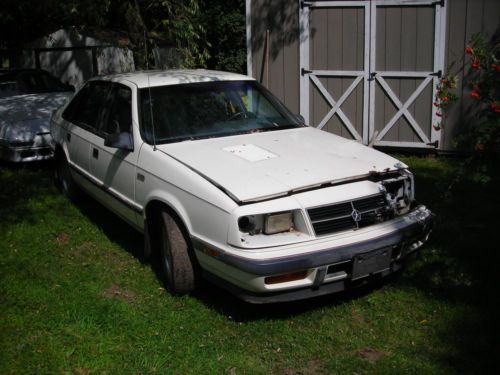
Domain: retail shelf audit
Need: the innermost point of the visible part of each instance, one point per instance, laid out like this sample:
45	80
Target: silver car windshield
210	109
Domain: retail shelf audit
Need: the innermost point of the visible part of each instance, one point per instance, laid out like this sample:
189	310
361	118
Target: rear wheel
178	271
63	178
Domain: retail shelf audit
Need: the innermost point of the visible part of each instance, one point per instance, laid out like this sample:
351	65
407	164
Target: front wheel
178	270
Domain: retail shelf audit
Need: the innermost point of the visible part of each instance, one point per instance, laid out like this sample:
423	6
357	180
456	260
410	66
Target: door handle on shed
68	137
95	153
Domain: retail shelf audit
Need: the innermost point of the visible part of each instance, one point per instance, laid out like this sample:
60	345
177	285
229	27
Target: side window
119	116
85	108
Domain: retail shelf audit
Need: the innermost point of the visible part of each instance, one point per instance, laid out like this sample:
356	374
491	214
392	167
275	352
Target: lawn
76	297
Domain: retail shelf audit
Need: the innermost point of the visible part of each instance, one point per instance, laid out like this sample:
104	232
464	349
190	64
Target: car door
81	122
114	169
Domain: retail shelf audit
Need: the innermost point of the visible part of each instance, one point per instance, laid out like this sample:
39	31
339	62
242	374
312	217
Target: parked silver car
27	99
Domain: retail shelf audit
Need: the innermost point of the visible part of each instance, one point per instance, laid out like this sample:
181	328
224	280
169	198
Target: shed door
370	69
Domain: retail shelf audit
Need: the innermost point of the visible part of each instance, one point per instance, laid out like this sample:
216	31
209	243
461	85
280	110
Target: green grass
76	297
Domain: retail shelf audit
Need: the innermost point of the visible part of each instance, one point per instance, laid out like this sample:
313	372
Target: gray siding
281	19
405	39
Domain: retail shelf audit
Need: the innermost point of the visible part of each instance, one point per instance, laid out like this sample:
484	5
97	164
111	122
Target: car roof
22	70
153	78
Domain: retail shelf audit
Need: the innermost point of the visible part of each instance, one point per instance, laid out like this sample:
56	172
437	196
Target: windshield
210	109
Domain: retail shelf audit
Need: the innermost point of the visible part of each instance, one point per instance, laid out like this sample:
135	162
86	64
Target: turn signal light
286	277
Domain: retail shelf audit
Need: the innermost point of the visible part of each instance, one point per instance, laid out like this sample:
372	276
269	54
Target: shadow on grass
228	305
20	183
460	265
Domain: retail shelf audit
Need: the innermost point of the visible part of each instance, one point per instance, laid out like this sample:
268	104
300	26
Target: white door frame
370	76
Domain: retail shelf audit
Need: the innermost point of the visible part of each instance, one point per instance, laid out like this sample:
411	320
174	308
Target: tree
224	22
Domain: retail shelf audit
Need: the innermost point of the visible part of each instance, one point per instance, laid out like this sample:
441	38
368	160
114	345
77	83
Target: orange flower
480	147
475	95
469	50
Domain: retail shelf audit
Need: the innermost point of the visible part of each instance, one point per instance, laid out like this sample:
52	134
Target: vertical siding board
334	61
291	56
349	28
409	28
276	35
319	61
425	62
360	44
257	39
456	35
380	65
393	62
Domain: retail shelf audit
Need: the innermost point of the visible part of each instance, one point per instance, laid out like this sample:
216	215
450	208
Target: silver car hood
24	116
260	166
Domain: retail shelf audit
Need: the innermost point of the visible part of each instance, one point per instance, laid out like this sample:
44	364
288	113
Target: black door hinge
304	4
435	144
438	74
440	3
305	71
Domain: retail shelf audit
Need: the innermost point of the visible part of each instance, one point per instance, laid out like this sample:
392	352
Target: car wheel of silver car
178	269
63	178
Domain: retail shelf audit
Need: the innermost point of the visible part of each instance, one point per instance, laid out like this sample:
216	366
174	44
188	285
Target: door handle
95	153
68	137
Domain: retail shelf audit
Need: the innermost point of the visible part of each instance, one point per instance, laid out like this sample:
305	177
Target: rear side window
86	106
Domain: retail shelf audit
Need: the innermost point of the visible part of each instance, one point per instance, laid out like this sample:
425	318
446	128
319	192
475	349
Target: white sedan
227	185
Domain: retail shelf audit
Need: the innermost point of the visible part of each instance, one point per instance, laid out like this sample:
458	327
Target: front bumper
25	154
383	251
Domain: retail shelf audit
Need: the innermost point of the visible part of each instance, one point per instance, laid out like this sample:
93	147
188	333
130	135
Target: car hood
260	166
23	116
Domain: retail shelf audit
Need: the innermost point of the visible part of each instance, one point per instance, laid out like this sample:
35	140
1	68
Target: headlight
267	223
277	223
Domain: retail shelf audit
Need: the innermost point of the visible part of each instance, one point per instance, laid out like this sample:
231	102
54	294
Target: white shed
74	55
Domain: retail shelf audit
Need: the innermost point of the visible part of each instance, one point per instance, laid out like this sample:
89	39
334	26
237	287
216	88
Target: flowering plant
484	87
444	97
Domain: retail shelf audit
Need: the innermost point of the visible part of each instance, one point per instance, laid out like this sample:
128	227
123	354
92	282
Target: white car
27	99
227	185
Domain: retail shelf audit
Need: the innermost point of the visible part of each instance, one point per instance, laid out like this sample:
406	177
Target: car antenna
149	93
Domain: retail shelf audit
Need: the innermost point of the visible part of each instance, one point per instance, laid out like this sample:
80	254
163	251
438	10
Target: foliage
148	22
445	96
484	84
224	22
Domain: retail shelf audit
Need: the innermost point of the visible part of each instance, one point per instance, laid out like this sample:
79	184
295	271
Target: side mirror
301	119
123	141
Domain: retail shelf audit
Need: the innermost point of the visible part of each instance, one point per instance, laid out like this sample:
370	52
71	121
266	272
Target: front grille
339	216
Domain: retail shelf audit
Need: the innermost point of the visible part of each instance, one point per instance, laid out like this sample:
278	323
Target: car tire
179	272
63	178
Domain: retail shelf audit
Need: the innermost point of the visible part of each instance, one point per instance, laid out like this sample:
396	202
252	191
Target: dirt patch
313	367
115	292
62	238
81	371
370	355
356	316
84	249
